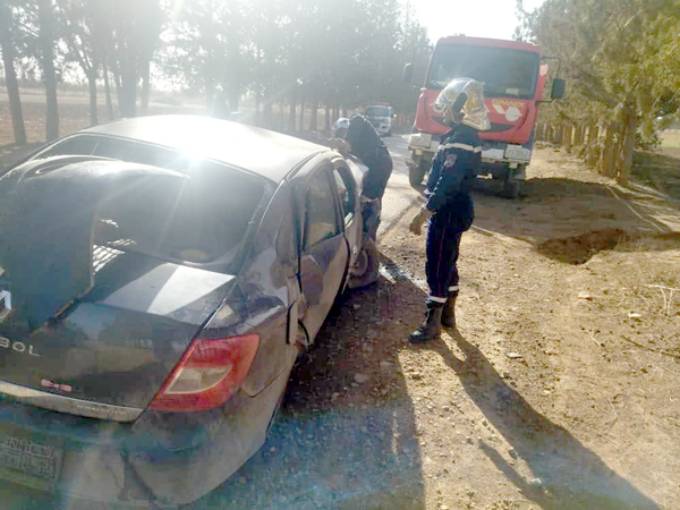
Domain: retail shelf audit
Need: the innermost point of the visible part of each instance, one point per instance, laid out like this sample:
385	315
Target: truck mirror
408	72
559	87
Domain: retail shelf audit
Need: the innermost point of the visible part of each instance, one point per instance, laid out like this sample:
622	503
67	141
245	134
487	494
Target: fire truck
515	77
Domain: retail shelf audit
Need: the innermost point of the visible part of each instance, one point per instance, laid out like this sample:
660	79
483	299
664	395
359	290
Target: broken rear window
202	219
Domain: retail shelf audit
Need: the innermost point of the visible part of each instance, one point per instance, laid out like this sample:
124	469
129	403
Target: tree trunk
557	140
128	90
7	50
107	91
567	137
292	110
234	98
46	39
301	123
127	78
146	87
313	120
327	119
606	162
579	135
92	88
592	146
282	115
627	148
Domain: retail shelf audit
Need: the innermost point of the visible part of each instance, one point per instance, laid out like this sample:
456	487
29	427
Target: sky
481	18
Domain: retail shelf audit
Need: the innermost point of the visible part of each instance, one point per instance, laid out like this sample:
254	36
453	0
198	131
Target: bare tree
79	25
46	19
8	57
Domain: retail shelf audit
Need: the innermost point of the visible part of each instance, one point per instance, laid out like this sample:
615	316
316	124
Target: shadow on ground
345	437
660	171
568	474
571	220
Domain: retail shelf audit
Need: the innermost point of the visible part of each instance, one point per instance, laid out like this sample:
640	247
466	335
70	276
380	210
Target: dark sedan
158	278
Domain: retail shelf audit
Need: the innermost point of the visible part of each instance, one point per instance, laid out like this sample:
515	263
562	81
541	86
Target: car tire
366	273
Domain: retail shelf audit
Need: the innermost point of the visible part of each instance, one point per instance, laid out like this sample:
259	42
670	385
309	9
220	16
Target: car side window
345	186
320	213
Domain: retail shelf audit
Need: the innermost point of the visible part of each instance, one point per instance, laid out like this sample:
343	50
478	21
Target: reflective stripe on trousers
441	268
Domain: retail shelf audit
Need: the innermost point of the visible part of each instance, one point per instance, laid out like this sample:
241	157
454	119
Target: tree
46	39
135	29
621	59
79	25
8	57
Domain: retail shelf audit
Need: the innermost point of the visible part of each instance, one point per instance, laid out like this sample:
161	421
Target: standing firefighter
358	137
449	206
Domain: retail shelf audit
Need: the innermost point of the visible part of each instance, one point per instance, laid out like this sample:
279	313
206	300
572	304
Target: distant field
670	139
74	112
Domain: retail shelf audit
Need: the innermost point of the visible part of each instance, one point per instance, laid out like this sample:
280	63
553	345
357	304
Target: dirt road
559	390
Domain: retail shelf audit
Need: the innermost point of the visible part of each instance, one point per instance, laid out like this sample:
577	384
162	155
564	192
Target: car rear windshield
504	72
202	218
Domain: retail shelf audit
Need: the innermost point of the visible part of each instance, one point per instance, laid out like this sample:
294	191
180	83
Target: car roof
267	153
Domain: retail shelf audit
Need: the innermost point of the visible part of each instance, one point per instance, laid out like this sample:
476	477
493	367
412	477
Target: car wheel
365	272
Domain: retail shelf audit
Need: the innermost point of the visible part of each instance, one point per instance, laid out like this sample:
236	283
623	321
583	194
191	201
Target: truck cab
514	79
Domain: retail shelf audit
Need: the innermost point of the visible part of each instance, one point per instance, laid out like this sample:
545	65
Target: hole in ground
581	248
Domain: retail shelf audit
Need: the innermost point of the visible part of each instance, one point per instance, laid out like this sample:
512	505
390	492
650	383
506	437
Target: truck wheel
511	188
416	173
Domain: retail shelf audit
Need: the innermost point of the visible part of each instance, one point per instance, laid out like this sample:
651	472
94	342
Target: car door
350	208
325	254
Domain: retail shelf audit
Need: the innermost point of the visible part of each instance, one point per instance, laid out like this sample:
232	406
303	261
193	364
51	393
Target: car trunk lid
90	329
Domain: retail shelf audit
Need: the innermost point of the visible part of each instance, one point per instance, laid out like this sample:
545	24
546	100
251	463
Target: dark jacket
454	168
367	145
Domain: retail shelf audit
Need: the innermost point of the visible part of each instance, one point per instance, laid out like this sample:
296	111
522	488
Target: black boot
431	328
449	313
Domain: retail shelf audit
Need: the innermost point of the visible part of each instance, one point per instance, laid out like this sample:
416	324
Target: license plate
28	462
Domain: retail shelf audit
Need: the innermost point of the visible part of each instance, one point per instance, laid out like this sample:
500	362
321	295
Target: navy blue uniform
454	168
366	144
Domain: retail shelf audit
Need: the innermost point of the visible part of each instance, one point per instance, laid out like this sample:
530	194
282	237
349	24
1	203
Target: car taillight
209	373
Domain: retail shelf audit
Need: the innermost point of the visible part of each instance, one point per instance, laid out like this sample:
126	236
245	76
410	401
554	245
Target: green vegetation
621	60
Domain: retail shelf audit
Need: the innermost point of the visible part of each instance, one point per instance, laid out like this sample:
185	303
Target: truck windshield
504	72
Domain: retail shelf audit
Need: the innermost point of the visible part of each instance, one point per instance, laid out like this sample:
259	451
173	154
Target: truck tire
416	173
511	187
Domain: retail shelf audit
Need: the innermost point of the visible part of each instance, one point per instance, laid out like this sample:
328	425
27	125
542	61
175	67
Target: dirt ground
558	390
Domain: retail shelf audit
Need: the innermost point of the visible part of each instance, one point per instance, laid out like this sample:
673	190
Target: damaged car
158	278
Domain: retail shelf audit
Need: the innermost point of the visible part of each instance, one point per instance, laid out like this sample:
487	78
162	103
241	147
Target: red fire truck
514	77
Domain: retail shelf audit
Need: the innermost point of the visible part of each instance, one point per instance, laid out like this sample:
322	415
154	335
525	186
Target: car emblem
5	304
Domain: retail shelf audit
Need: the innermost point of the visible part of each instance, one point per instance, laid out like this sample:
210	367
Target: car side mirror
559	87
407	73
